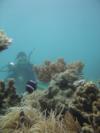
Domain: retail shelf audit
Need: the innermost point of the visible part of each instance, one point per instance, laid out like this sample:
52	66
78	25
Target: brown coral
4	41
60	88
85	107
46	71
8	96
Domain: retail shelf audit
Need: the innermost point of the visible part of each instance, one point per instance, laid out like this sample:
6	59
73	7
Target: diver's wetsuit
22	73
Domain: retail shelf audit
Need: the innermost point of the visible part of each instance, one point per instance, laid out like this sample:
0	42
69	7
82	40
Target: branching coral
60	88
4	41
46	71
78	66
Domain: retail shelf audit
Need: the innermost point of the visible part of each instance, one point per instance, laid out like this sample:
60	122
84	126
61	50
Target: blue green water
55	28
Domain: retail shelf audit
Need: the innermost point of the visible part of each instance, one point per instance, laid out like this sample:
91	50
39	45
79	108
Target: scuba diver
22	71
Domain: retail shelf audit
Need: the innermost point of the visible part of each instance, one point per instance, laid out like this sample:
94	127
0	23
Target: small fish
31	86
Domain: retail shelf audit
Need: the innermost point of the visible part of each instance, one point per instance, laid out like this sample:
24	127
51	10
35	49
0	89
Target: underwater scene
50	66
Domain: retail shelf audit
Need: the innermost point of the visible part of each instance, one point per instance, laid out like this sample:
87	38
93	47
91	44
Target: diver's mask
21	58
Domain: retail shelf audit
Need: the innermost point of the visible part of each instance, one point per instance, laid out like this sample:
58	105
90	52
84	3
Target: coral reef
51	111
83	102
46	71
70	104
61	87
4	41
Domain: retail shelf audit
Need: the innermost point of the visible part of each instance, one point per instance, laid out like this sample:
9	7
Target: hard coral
8	96
61	85
85	107
69	105
2	94
46	71
61	114
4	41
